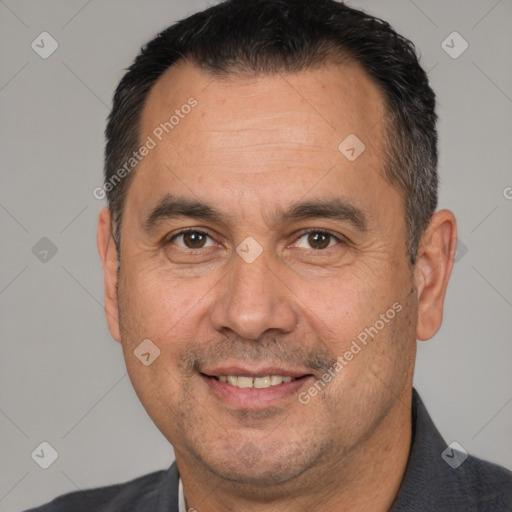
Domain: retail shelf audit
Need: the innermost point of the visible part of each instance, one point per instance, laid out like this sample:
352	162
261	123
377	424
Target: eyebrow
172	206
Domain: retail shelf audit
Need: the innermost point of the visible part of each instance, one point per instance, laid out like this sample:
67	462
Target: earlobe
108	255
436	256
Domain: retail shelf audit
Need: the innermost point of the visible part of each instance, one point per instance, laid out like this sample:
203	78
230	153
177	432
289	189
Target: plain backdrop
63	378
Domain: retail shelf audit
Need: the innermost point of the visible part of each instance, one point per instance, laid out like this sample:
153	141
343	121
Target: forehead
333	99
247	135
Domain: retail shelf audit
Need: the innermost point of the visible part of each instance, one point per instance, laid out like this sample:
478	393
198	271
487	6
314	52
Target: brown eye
191	239
318	240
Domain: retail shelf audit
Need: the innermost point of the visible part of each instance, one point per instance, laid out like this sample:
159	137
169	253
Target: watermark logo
355	348
454	455
249	249
461	250
351	147
44	250
454	45
149	144
44	45
249	454
146	352
44	455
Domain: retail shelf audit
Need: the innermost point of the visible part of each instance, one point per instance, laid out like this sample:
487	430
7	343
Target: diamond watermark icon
44	250
249	454
44	45
460	251
146	352
454	45
454	455
351	147
44	455
249	249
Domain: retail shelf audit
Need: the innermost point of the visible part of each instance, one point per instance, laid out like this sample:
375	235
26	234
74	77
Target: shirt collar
182	504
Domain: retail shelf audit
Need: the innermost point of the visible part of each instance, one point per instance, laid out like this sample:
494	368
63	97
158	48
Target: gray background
63	378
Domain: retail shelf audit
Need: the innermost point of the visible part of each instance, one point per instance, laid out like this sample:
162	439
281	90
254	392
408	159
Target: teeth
275	380
262	382
244	382
267	381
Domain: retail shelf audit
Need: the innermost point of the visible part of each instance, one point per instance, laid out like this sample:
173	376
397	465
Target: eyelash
300	235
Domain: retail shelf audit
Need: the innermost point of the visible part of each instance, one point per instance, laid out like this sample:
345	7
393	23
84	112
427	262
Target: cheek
341	306
156	307
167	312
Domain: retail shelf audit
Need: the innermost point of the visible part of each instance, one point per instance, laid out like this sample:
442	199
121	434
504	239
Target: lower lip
254	398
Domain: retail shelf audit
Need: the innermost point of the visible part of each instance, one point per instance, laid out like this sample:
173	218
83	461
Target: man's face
257	293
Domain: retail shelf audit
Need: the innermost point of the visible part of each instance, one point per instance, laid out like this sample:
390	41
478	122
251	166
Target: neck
366	479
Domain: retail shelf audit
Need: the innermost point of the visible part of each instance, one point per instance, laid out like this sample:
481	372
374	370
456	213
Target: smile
241	381
254	387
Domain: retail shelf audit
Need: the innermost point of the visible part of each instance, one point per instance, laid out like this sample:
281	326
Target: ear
434	265
108	255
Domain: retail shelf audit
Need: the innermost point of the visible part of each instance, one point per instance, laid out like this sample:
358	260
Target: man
272	252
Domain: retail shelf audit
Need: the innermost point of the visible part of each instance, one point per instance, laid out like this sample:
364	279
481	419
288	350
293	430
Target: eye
318	240
313	239
191	239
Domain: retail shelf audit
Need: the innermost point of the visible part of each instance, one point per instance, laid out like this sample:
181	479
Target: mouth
243	388
247	382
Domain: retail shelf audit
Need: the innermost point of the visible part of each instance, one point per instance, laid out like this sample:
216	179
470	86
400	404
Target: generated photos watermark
150	143
355	348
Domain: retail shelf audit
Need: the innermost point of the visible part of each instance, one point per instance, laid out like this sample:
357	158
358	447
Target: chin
255	476
255	467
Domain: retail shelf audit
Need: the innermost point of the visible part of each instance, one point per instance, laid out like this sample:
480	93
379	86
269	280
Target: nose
252	299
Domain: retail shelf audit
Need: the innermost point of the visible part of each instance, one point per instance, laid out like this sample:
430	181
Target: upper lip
247	371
